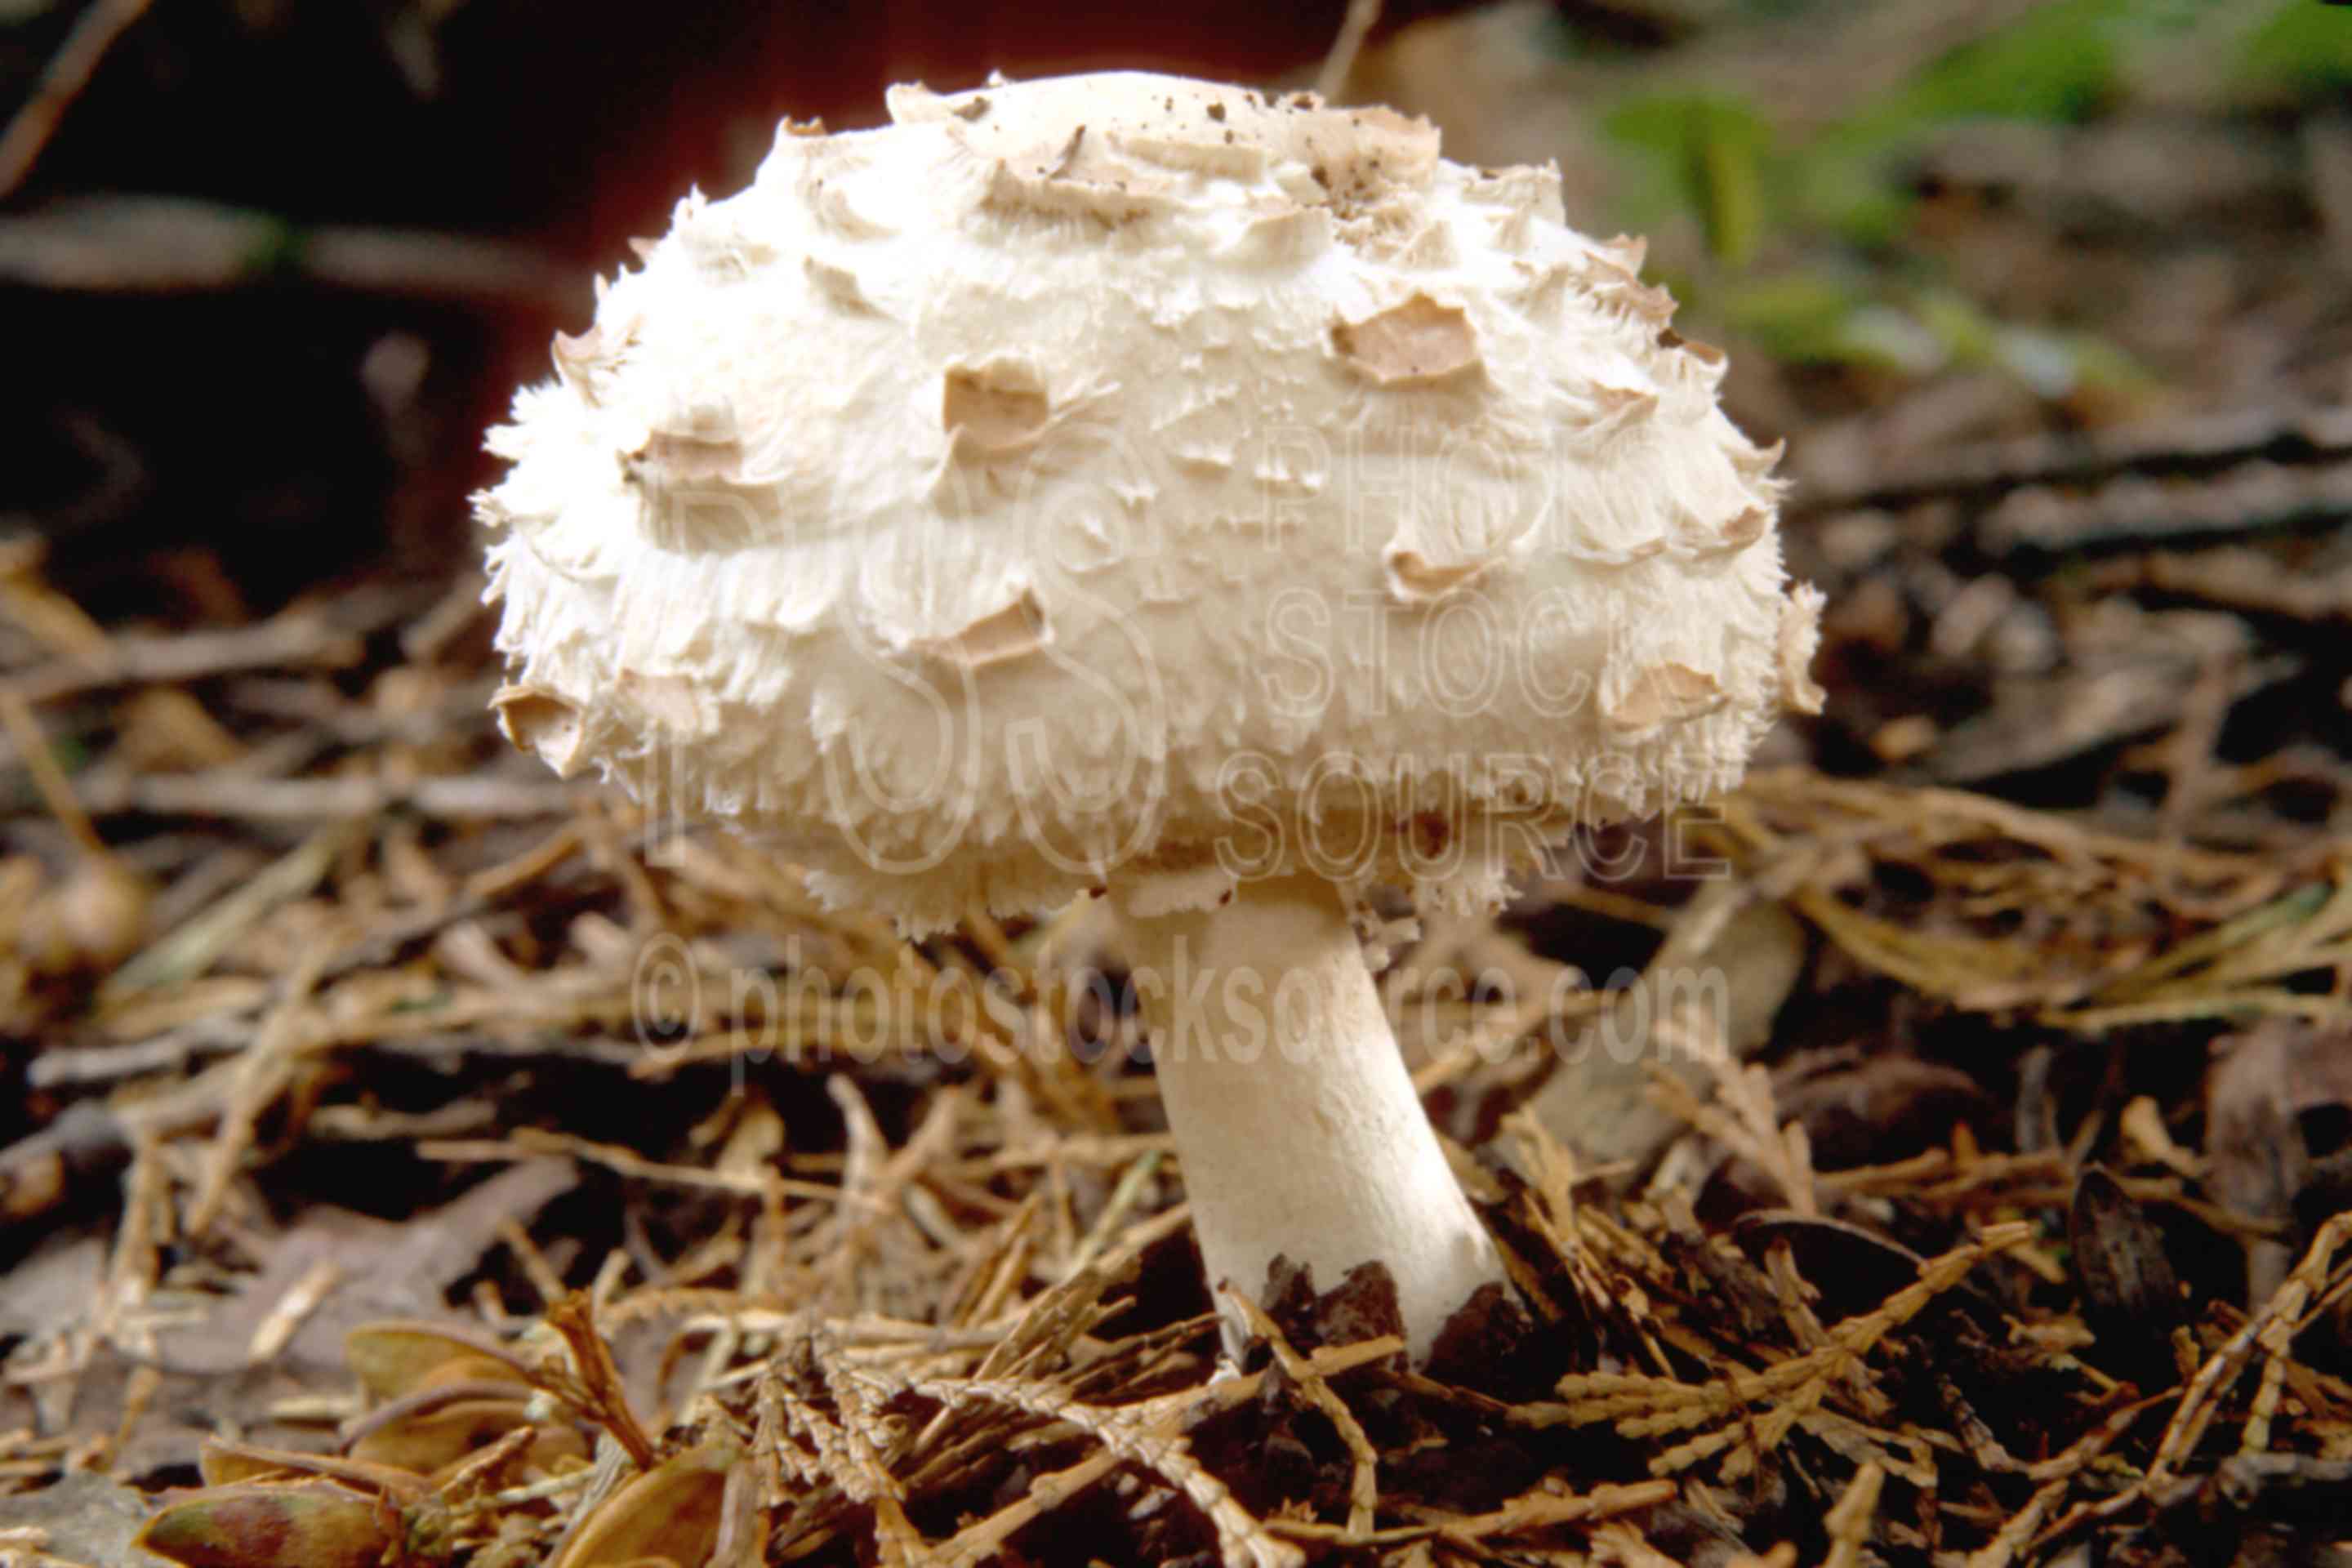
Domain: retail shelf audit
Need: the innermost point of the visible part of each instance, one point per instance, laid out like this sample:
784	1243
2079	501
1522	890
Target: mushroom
1130	484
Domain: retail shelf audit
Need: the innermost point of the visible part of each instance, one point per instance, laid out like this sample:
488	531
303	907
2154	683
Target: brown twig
70	70
108	245
1331	81
574	1317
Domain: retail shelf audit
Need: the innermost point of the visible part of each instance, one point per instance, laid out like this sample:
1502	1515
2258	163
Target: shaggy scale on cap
1075	479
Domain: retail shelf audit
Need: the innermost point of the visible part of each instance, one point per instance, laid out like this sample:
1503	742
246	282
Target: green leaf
1697	152
2303	50
2057	64
1800	316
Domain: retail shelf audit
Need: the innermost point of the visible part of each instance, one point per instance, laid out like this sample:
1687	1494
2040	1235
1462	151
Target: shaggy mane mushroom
1142	485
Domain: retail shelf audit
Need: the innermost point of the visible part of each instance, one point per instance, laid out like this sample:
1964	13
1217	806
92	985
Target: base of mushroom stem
1475	1345
1297	1125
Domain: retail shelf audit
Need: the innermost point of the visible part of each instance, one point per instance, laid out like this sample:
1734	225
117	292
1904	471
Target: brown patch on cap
701	443
1619	406
580	360
1000	407
690	473
839	285
1731	538
1706	354
1799	633
1415	579
1612	275
1015	631
575	355
1755	462
542	723
1651	304
1137	122
1629	251
1083	176
1412	344
1665	694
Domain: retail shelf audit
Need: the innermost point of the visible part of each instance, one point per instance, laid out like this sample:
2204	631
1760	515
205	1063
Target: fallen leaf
672	1512
307	1525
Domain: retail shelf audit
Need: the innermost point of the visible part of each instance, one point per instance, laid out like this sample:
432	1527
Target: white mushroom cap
1128	478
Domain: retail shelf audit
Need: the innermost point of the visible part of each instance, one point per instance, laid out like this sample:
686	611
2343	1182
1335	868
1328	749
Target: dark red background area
575	124
175	432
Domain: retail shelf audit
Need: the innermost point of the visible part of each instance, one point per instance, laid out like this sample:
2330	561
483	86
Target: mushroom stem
1299	1128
